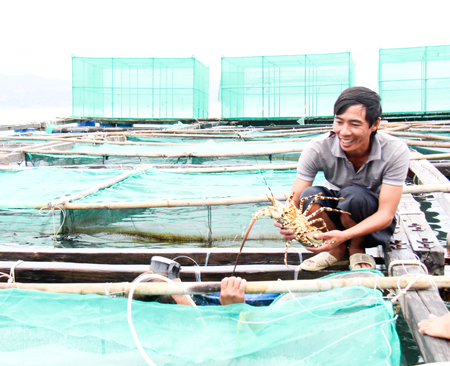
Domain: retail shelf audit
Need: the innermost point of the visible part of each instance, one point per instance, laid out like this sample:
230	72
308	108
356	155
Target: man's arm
387	206
298	187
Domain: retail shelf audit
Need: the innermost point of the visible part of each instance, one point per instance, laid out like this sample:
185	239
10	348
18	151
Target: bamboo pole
202	143
188	168
427	143
437	129
430	157
418	135
94	189
43	138
261	287
429	188
213	201
137	143
165	203
158	155
232	169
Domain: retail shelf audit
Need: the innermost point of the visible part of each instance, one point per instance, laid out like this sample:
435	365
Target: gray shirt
388	163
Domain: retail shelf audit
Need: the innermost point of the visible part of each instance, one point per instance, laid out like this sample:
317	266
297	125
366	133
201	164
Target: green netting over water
201	224
31	187
139	87
415	79
284	86
208	151
348	326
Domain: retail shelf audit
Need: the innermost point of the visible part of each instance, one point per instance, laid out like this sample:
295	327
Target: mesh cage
284	86
347	326
415	79
139	87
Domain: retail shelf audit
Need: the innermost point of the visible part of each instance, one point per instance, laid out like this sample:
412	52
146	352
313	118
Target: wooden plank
57	272
428	174
210	256
422	240
416	305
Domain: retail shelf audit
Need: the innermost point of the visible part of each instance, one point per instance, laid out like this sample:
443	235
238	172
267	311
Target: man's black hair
359	95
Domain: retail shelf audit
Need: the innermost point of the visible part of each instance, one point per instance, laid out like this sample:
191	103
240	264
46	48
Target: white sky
39	36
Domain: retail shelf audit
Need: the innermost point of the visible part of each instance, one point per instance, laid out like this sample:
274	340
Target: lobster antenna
264	179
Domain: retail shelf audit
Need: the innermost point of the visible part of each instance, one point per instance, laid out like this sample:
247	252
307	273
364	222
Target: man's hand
232	290
287	233
331	239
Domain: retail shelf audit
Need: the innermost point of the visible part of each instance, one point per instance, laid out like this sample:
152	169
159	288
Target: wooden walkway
414	240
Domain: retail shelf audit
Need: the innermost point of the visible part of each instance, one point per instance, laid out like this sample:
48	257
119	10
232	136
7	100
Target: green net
205	223
284	86
348	326
415	79
203	152
139	87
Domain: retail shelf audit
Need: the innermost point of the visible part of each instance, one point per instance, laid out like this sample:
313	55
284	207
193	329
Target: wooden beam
416	304
428	174
420	235
57	272
271	255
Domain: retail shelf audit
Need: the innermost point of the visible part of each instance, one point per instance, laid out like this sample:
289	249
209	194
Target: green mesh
348	326
248	153
199	224
284	86
139	87
415	79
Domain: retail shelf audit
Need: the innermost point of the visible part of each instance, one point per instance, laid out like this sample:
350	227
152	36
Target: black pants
359	201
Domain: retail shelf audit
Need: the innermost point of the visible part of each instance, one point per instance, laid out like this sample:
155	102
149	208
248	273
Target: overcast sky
39	37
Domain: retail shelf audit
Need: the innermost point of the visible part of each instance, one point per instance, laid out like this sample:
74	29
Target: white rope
198	273
51	211
2	274
404	263
114	294
12	275
130	319
408	262
415	279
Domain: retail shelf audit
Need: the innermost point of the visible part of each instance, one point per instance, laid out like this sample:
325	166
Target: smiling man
365	168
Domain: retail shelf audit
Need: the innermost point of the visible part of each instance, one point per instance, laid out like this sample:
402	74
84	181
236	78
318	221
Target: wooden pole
418	135
158	155
430	157
261	287
427	143
429	188
185	168
95	188
211	201
165	203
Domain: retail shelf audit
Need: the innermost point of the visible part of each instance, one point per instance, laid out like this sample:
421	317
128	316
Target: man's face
353	131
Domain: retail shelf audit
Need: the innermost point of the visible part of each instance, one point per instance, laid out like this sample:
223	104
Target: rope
406	289
51	211
406	262
11	276
114	294
198	274
415	262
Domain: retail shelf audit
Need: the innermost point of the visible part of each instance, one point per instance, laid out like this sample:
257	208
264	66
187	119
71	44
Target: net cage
96	222
139	87
415	79
184	151
346	326
284	86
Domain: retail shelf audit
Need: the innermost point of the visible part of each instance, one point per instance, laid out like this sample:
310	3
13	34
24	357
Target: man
232	291
365	168
436	326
